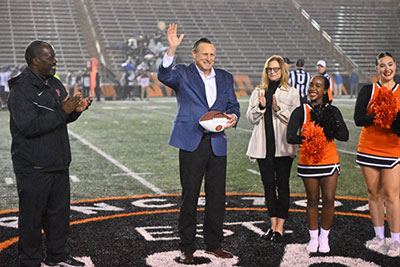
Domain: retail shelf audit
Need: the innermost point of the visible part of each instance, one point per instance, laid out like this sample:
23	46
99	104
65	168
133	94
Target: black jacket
38	124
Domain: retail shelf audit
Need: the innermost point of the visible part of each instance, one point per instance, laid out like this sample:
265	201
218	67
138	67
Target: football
214	121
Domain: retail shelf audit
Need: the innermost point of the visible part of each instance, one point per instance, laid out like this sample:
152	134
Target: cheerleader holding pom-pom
320	124
378	153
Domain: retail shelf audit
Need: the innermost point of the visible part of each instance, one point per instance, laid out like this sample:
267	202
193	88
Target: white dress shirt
209	81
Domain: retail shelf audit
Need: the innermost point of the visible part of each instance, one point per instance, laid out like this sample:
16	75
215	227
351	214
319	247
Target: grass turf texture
136	134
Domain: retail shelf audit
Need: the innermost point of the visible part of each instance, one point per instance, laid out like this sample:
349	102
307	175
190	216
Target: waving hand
173	39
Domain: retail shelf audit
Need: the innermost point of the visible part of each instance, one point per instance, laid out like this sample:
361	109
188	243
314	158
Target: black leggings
275	173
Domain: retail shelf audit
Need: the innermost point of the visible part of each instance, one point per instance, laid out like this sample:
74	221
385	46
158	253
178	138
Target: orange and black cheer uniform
377	146
330	162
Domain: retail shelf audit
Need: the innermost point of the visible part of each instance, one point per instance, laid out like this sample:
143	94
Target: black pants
44	202
193	167
71	91
97	91
3	95
275	174
86	92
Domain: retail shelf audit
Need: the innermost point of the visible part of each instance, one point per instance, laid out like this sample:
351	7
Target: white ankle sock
313	234
394	237
380	231
324	233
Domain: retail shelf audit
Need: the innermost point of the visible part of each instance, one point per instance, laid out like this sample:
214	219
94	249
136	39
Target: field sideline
120	148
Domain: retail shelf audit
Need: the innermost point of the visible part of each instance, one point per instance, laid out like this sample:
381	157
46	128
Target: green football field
121	148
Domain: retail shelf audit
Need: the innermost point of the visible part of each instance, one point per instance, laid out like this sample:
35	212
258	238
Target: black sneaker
276	237
268	234
68	262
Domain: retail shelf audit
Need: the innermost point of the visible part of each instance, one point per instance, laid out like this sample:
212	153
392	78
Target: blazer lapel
198	84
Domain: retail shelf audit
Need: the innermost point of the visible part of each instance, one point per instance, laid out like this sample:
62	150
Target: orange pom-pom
384	106
314	142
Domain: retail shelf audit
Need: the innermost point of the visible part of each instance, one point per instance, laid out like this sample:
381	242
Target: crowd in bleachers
143	52
143	55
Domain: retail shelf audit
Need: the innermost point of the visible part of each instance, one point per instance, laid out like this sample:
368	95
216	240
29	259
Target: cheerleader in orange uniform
379	154
324	173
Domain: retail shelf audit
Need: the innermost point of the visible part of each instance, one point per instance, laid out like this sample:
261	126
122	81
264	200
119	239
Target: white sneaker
394	249
312	246
324	245
375	244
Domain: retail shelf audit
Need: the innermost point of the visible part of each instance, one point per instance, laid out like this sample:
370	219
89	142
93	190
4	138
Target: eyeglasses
269	70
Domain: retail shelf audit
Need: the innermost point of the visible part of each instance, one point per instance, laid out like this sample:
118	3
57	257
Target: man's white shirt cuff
167	61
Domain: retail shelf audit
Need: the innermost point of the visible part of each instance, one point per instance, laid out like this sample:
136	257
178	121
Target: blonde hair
285	75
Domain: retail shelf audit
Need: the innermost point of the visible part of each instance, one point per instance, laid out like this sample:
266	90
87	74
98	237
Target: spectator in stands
288	64
71	81
131	85
97	87
353	83
2	87
5	75
124	81
300	80
338	83
378	155
86	84
144	85
270	106
158	35
201	153
40	110
318	174
17	71
79	81
129	63
143	52
321	69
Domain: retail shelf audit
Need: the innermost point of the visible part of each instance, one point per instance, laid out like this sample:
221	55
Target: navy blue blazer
190	92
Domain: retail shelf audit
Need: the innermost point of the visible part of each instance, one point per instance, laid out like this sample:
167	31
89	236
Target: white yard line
74	178
253	171
127	174
9	180
118	164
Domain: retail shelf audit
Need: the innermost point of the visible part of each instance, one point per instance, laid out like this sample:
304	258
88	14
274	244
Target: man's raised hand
173	39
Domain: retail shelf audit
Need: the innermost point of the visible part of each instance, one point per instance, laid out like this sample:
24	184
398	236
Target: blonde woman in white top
270	107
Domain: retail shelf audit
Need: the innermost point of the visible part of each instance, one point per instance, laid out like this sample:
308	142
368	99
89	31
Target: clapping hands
76	103
84	104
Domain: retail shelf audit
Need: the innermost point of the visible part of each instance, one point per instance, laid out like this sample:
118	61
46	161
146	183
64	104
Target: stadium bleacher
246	33
361	28
22	21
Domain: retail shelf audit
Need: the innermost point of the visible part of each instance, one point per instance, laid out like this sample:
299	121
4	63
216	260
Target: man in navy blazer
200	88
